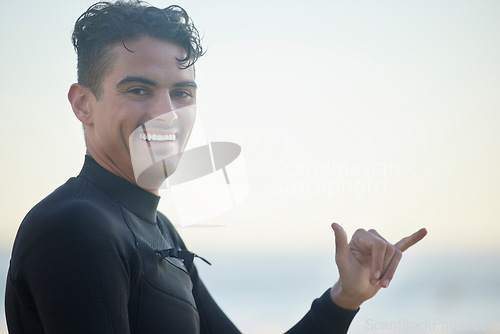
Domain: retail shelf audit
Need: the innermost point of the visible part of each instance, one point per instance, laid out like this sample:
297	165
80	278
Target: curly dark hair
106	24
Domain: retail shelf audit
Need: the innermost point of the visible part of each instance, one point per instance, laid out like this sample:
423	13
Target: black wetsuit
86	260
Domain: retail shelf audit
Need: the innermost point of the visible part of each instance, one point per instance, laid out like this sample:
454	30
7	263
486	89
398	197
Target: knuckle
379	243
398	253
391	250
360	231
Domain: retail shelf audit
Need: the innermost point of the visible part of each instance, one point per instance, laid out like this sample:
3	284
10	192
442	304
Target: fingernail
377	275
385	283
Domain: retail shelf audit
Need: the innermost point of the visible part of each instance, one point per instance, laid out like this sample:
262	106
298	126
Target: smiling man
145	105
95	256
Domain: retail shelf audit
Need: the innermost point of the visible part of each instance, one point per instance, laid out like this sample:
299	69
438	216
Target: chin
153	176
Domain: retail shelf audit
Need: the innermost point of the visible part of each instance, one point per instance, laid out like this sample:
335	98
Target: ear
80	98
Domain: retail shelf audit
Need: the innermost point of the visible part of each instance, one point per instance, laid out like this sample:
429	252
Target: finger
411	240
378	251
371	244
341	246
376	233
391	269
389	250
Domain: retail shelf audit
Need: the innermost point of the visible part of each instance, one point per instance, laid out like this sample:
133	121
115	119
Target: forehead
149	56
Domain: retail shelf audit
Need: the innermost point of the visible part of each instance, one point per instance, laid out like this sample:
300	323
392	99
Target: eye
182	94
138	91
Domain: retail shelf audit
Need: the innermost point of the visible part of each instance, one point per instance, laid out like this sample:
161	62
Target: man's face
145	112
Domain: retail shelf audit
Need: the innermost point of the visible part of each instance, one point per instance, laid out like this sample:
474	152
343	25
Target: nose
164	108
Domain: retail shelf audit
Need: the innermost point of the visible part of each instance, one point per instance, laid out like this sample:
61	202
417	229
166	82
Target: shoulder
74	214
77	202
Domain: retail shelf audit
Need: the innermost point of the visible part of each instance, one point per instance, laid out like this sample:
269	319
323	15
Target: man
95	256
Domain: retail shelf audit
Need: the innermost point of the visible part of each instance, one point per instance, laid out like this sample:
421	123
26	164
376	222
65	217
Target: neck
109	165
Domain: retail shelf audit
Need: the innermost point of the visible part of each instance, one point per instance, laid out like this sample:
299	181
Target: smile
155	137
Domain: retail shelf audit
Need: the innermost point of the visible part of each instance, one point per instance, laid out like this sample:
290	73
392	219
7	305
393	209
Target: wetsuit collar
131	196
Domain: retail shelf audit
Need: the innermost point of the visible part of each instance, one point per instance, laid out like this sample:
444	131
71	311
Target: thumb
341	247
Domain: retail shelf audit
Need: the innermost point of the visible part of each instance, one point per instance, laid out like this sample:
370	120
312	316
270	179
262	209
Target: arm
335	309
324	317
212	318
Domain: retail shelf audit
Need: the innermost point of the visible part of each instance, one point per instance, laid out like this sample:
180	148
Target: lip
158	130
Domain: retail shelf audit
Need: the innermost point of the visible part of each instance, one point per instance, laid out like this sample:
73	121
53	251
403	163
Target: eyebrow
186	83
130	79
149	82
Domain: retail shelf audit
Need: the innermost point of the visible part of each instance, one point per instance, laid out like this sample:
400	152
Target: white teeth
156	137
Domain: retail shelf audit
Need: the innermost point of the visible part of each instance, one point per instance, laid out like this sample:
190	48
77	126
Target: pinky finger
411	240
391	269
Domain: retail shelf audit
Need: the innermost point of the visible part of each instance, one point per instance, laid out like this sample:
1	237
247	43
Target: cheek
130	124
191	120
187	117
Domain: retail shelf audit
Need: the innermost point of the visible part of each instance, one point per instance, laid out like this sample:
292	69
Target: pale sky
372	114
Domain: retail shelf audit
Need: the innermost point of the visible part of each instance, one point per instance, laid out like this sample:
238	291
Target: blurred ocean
268	292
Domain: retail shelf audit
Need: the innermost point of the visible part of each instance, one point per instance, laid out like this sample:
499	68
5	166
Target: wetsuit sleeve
324	317
212	318
73	276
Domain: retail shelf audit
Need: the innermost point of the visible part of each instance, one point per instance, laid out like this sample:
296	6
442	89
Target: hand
366	264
